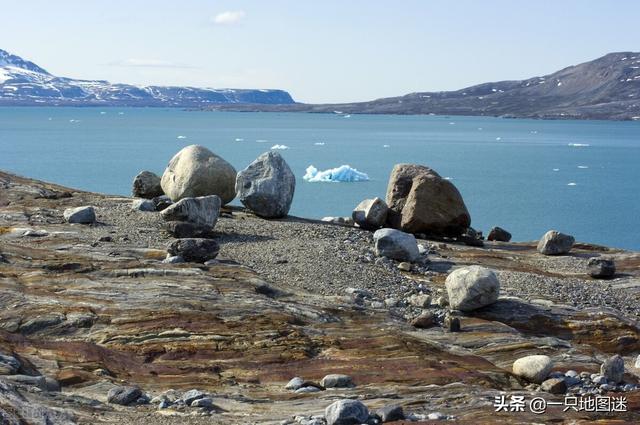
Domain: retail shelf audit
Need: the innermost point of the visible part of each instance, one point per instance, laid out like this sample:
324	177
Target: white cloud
148	63
228	17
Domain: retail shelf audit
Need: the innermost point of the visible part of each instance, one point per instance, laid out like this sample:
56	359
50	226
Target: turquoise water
504	168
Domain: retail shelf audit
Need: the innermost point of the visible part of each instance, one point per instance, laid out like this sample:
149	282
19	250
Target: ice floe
239	139
571	184
181	137
344	173
279	147
319	143
386	146
583	166
261	141
578	145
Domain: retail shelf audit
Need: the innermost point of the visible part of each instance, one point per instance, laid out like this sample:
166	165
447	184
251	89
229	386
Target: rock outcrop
196	171
472	287
420	201
267	186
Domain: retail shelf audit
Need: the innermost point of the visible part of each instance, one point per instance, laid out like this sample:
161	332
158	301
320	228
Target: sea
526	176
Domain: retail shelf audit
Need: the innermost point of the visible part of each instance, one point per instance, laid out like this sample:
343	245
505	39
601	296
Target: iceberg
344	173
279	147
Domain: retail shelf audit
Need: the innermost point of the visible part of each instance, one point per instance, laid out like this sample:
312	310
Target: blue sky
320	51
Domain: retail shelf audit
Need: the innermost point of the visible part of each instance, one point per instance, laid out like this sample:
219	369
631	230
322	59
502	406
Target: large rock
420	201
498	234
267	186
370	214
555	243
601	268
82	215
397	245
472	287
146	185
194	249
123	395
533	368
613	369
203	211
336	380
196	171
346	412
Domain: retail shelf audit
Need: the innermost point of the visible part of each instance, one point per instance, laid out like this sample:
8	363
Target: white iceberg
279	147
319	143
182	137
579	145
344	173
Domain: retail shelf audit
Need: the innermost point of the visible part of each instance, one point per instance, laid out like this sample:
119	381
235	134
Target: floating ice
498	138
120	113
556	169
583	166
344	173
386	146
238	139
103	113
319	143
279	147
347	116
261	141
181	137
578	145
571	184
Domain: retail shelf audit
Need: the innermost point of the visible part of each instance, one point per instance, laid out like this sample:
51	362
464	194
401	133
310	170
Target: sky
319	51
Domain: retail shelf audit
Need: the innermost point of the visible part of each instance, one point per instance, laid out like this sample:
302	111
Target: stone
203	210
196	171
498	234
472	287
267	186
421	201
191	396
423	321
404	266
82	215
613	369
308	389
554	386
533	368
392	302
123	396
294	383
601	268
336	381
8	365
162	202
173	259
144	205
397	245
420	300
555	243
471	237
206	402
370	214
346	412
184	229
146	185
342	221
196	250
452	323
436	416
390	413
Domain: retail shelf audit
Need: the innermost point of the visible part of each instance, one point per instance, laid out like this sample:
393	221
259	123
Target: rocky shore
189	311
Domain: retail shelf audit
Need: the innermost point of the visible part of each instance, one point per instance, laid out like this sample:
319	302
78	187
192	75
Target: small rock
343	221
436	416
419	300
555	243
8	365
533	368
194	249
184	229
571	373
404	266
146	185
123	395
173	259
203	210
377	304
162	202
452	323
472	287
392	302
423	321
294	383
346	412
336	381
309	389
144	205
370	214
554	386
442	301
206	402
423	250
82	215
396	245
191	396
613	369
498	234
390	413
601	268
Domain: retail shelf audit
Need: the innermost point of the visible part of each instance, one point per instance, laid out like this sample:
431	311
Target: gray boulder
146	185
370	214
397	245
346	412
601	268
145	205
498	234
203	210
294	383
472	287
123	395
192	395
82	215
267	186
420	201
613	369
555	243
533	368
195	250
390	413
196	171
336	381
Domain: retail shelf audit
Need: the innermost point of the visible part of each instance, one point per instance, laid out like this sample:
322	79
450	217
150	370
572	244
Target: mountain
24	83
605	88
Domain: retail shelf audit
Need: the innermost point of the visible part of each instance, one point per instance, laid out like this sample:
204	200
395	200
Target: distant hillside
23	83
605	88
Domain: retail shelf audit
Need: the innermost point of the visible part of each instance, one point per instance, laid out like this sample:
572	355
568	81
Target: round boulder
370	214
196	171
533	368
601	268
146	185
392	243
472	287
346	412
555	243
420	201
267	186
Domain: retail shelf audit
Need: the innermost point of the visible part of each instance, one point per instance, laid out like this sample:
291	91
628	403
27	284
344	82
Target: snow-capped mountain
25	83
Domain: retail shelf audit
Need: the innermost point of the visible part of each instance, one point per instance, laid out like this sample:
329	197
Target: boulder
554	386
613	369
555	243
267	186
82	215
533	368
203	210
346	412
162	202
145	205
397	245
123	395
336	381
420	201
196	171
472	287
371	214
423	321
196	250
390	413
294	383
601	268
498	234
184	229
191	396
146	185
